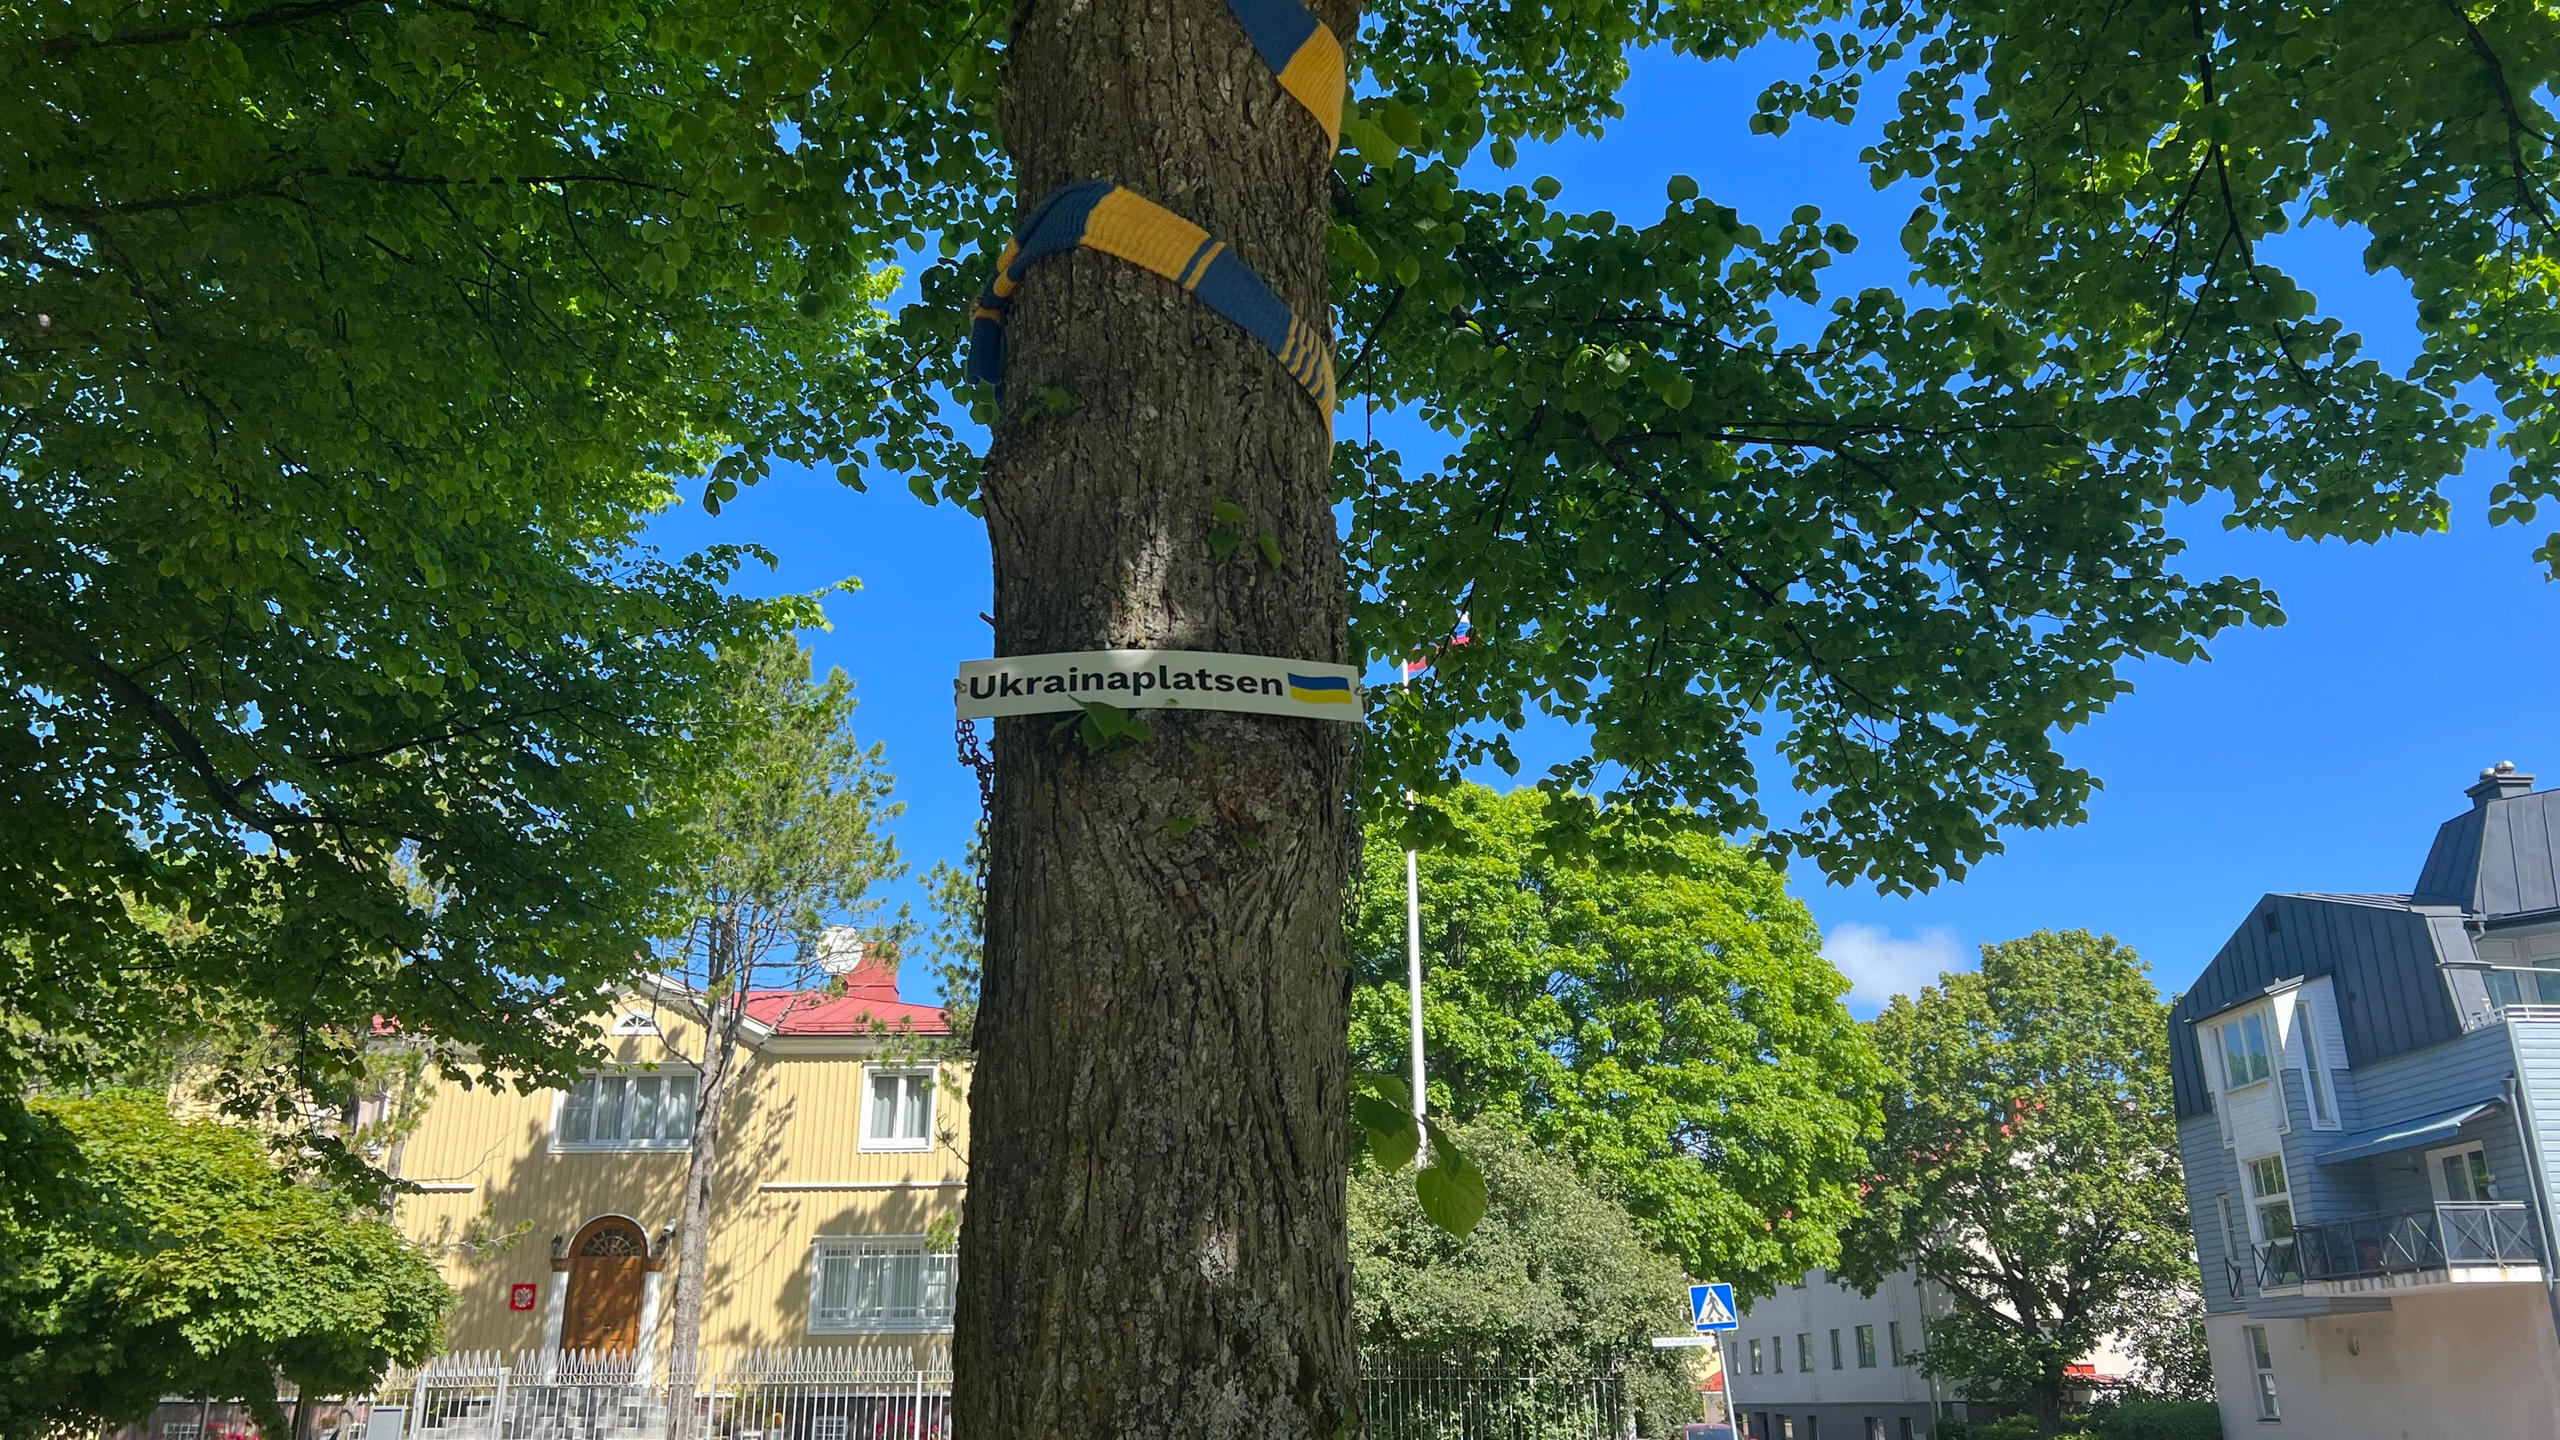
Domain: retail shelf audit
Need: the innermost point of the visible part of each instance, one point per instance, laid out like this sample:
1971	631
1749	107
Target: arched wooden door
608	1267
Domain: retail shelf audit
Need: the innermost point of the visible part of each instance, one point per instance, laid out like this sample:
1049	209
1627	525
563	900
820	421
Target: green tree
2113	183
1654	1005
787	847
2029	1166
1909	547
1556	1279
956	939
344	350
146	1256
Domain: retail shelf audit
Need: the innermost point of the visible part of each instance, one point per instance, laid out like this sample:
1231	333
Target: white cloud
1880	967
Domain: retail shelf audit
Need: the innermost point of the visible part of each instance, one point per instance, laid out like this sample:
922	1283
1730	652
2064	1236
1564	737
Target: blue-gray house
2368	1092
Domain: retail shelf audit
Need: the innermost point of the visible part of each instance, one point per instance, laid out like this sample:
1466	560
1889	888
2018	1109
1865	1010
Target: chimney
2498	782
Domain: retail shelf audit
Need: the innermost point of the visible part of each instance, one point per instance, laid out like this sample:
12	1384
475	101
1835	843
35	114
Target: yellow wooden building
842	1158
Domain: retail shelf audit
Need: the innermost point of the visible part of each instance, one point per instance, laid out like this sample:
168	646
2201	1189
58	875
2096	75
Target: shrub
2158	1420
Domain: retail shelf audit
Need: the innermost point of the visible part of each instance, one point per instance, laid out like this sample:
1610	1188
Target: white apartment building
1819	1361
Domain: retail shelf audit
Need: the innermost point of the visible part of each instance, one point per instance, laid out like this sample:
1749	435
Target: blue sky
2320	755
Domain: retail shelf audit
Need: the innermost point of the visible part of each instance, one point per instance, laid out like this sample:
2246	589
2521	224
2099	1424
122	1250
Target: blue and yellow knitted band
1307	60
1099	215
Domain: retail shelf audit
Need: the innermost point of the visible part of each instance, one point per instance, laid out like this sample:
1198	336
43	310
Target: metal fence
867	1392
1451	1402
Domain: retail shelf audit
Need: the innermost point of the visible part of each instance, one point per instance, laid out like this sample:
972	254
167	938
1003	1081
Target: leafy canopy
2029	1165
349	341
1896	551
1654	1007
165	1257
347	347
2122	174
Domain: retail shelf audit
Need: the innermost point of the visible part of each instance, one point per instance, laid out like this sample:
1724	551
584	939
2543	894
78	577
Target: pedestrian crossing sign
1711	1306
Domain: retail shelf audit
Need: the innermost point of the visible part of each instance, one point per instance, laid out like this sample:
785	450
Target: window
1835	1350
1866	1347
2244	1051
2263	1365
632	1111
891	1283
1760	1425
1813	1427
2324	1112
1875	1427
1755	1357
2461	1174
2271	1220
1893	1334
898	1110
1786	1427
1804	1352
1906	1428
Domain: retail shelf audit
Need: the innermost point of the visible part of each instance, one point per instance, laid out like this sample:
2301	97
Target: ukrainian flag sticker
1319	689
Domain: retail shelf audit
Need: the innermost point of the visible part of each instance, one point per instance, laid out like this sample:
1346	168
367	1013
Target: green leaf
1401	124
1451	1189
1392	1135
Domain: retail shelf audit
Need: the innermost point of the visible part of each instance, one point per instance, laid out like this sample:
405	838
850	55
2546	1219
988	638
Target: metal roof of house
2497	860
868	1004
2387	954
2382	952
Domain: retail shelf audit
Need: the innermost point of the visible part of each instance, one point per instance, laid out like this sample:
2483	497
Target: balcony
2435	1248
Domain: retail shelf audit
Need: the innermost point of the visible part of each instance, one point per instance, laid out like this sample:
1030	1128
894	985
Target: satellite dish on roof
840	950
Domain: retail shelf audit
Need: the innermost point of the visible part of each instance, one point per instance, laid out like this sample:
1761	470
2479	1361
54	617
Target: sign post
1712	1310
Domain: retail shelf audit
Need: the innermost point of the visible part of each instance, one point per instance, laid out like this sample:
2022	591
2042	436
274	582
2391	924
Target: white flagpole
1413	947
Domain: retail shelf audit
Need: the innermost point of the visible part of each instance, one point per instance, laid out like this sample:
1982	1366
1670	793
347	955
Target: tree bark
1153	1241
720	1015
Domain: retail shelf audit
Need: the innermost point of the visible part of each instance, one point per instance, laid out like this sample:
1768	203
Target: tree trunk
693	1216
1153	1241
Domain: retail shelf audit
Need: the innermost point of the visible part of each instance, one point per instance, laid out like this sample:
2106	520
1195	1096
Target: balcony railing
2439	1237
2280	1264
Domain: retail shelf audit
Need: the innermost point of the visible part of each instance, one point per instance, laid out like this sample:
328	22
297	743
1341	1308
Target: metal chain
974	755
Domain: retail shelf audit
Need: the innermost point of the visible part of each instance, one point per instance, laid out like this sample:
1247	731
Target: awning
2407	1135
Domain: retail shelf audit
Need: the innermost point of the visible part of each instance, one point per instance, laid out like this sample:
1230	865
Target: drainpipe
2538	1182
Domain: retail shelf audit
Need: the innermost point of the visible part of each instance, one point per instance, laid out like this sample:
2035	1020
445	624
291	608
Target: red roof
868	1006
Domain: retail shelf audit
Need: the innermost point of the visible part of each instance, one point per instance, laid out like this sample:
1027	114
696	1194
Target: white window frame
561	1144
2220	1058
2259	1204
2315	1075
927	1318
871	1076
1865	1338
2262	1370
2435	1172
